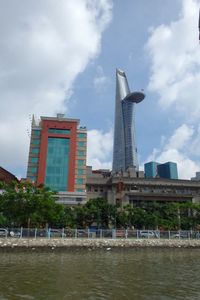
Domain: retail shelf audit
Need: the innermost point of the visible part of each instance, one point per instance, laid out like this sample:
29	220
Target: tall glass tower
125	150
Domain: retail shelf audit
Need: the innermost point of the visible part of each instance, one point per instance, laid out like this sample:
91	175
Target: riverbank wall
91	244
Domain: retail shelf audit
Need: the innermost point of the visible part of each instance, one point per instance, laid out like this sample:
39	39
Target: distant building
197	177
125	188
151	169
167	170
6	176
57	157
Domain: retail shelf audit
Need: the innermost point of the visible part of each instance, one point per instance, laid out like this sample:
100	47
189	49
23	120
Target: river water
148	274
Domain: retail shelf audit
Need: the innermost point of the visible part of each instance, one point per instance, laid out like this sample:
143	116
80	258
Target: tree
26	205
95	211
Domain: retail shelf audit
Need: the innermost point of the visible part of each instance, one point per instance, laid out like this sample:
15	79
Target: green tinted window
79	181
80	171
81	144
34	159
57	164
35	142
80	190
80	162
59	131
35	150
33	170
81	135
81	153
36	132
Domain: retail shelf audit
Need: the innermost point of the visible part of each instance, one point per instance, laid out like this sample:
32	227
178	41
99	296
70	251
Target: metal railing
91	233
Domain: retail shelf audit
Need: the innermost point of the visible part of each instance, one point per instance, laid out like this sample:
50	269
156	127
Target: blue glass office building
167	170
151	170
124	149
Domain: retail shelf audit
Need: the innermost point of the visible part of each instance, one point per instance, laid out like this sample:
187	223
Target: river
141	274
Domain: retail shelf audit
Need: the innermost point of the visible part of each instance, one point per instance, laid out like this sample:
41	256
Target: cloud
181	137
43	47
195	144
175	62
173	50
186	166
177	148
99	149
100	80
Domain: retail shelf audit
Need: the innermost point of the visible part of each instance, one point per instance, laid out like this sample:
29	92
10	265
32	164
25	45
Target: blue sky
62	58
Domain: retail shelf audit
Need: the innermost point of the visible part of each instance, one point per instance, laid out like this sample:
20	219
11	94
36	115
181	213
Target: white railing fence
92	233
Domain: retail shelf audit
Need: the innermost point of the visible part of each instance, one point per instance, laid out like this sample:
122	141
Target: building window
33	170
81	144
80	162
59	131
79	181
36	132
79	199
35	150
81	135
57	163
80	171
35	142
81	153
34	159
79	190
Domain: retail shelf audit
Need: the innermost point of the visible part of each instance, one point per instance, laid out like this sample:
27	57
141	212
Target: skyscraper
124	149
57	155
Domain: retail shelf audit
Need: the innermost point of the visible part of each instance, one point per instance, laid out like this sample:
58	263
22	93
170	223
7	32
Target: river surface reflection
150	274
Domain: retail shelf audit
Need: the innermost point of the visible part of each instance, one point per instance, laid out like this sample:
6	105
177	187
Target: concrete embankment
108	244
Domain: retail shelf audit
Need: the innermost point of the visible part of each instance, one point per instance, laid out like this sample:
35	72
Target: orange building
57	156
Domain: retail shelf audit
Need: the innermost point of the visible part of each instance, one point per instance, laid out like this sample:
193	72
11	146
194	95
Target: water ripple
156	274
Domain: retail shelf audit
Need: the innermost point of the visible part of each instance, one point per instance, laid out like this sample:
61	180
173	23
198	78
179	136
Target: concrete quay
107	244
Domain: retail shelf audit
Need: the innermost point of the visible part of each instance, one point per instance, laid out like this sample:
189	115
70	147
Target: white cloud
177	149
44	45
175	70
100	80
195	144
181	137
175	75
186	166
99	147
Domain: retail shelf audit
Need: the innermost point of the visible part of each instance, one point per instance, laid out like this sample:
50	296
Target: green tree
25	205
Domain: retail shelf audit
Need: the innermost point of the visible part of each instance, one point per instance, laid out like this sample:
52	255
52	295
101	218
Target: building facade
57	156
124	148
166	170
151	169
197	177
126	189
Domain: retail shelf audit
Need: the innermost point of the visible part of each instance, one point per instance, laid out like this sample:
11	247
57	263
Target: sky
61	57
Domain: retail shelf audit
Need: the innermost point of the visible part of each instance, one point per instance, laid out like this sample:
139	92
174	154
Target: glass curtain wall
57	164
